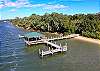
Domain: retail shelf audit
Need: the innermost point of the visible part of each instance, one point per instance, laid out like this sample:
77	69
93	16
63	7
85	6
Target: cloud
54	7
26	3
17	3
10	4
1	6
50	6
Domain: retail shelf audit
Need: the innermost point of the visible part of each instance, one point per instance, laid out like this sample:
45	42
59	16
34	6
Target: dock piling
39	51
55	42
66	44
42	53
49	48
60	44
52	51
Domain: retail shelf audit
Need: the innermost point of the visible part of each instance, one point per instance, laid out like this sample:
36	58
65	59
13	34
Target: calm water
15	56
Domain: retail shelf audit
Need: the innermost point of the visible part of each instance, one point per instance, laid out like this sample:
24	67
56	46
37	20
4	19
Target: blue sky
21	8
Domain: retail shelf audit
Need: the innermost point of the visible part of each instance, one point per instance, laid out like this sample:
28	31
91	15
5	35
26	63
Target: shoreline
97	41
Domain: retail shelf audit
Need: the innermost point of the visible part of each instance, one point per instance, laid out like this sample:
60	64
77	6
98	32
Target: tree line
84	24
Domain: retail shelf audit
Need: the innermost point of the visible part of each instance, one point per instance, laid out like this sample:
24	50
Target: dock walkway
63	37
51	39
52	51
52	44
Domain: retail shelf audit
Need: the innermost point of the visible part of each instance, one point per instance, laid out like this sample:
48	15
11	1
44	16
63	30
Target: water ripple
10	62
11	47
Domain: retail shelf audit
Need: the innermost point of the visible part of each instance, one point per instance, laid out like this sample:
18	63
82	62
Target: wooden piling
39	51
42	53
49	48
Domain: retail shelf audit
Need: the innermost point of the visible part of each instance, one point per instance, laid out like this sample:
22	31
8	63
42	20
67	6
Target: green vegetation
85	25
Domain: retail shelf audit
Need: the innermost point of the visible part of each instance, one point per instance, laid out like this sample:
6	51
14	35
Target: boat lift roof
32	34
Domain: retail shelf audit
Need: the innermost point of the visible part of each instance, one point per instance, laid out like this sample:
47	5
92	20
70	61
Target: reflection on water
15	56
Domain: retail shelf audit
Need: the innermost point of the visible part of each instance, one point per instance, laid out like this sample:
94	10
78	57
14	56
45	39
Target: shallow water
15	56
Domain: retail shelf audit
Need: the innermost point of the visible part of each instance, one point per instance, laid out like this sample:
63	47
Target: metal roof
33	34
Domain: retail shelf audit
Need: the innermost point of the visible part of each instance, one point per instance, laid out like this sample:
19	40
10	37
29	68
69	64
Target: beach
97	41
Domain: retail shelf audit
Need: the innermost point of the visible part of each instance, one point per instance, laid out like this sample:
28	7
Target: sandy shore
88	39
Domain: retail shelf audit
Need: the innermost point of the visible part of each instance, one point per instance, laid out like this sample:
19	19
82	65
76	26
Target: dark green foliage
86	25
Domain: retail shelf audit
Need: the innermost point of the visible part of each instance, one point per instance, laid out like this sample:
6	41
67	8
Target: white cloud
9	3
1	6
26	3
54	7
50	6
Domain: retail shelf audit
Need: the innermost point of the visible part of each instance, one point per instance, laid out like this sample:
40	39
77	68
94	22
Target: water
15	56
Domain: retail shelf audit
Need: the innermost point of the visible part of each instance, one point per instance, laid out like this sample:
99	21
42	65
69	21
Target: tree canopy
85	25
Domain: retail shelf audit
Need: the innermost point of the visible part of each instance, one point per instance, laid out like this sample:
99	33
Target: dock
58	48
63	37
33	42
53	45
55	48
50	39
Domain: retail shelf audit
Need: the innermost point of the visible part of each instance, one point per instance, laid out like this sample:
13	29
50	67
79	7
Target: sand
88	39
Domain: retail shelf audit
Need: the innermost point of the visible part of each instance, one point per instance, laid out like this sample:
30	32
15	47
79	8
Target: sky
10	9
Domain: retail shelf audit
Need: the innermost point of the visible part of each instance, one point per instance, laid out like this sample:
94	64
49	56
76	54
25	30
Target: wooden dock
52	51
58	48
52	44
63	37
33	42
51	39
